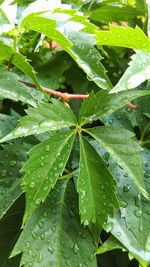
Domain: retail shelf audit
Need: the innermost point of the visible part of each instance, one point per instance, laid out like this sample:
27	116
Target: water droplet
118	234
27	244
51	250
37	202
41	224
32	185
123	203
138	213
147	175
146	164
42	236
39	258
140	228
126	188
13	163
30	252
109	227
76	248
30	264
47	148
42	164
53	228
34	235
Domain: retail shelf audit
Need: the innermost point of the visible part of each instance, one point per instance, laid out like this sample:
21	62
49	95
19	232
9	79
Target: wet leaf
48	239
124	150
47	162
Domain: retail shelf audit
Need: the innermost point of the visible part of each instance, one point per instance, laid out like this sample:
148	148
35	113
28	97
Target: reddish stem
65	96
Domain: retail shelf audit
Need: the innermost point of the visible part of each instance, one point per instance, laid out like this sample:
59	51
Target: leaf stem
66	176
65	96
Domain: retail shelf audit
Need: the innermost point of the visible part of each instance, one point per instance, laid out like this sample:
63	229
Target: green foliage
75	168
60	245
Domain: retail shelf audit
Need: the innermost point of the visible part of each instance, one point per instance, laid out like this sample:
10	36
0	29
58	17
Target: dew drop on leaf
51	250
140	228
42	236
118	234
47	148
147	175
34	235
76	248
138	213
126	188
32	185
27	244
41	224
30	252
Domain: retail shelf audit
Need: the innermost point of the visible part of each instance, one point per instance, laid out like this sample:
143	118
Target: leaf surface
65	27
124	37
137	72
7	54
55	229
111	13
46	117
131	225
47	162
11	88
96	187
124	150
103	103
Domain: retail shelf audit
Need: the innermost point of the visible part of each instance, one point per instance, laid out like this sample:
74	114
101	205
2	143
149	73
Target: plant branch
65	96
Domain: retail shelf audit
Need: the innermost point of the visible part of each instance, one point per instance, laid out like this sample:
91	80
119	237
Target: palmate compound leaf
47	162
7	54
75	35
96	187
46	117
53	235
11	88
124	37
103	103
137	72
124	150
130	226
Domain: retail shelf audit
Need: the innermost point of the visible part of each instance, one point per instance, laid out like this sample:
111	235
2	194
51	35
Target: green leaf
65	27
103	103
53	235
113	13
7	54
96	187
3	18
124	150
110	244
12	158
9	230
46	117
7	123
131	225
47	162
124	37
11	88
137	72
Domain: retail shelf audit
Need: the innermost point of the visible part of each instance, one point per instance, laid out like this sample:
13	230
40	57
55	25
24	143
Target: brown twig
65	96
